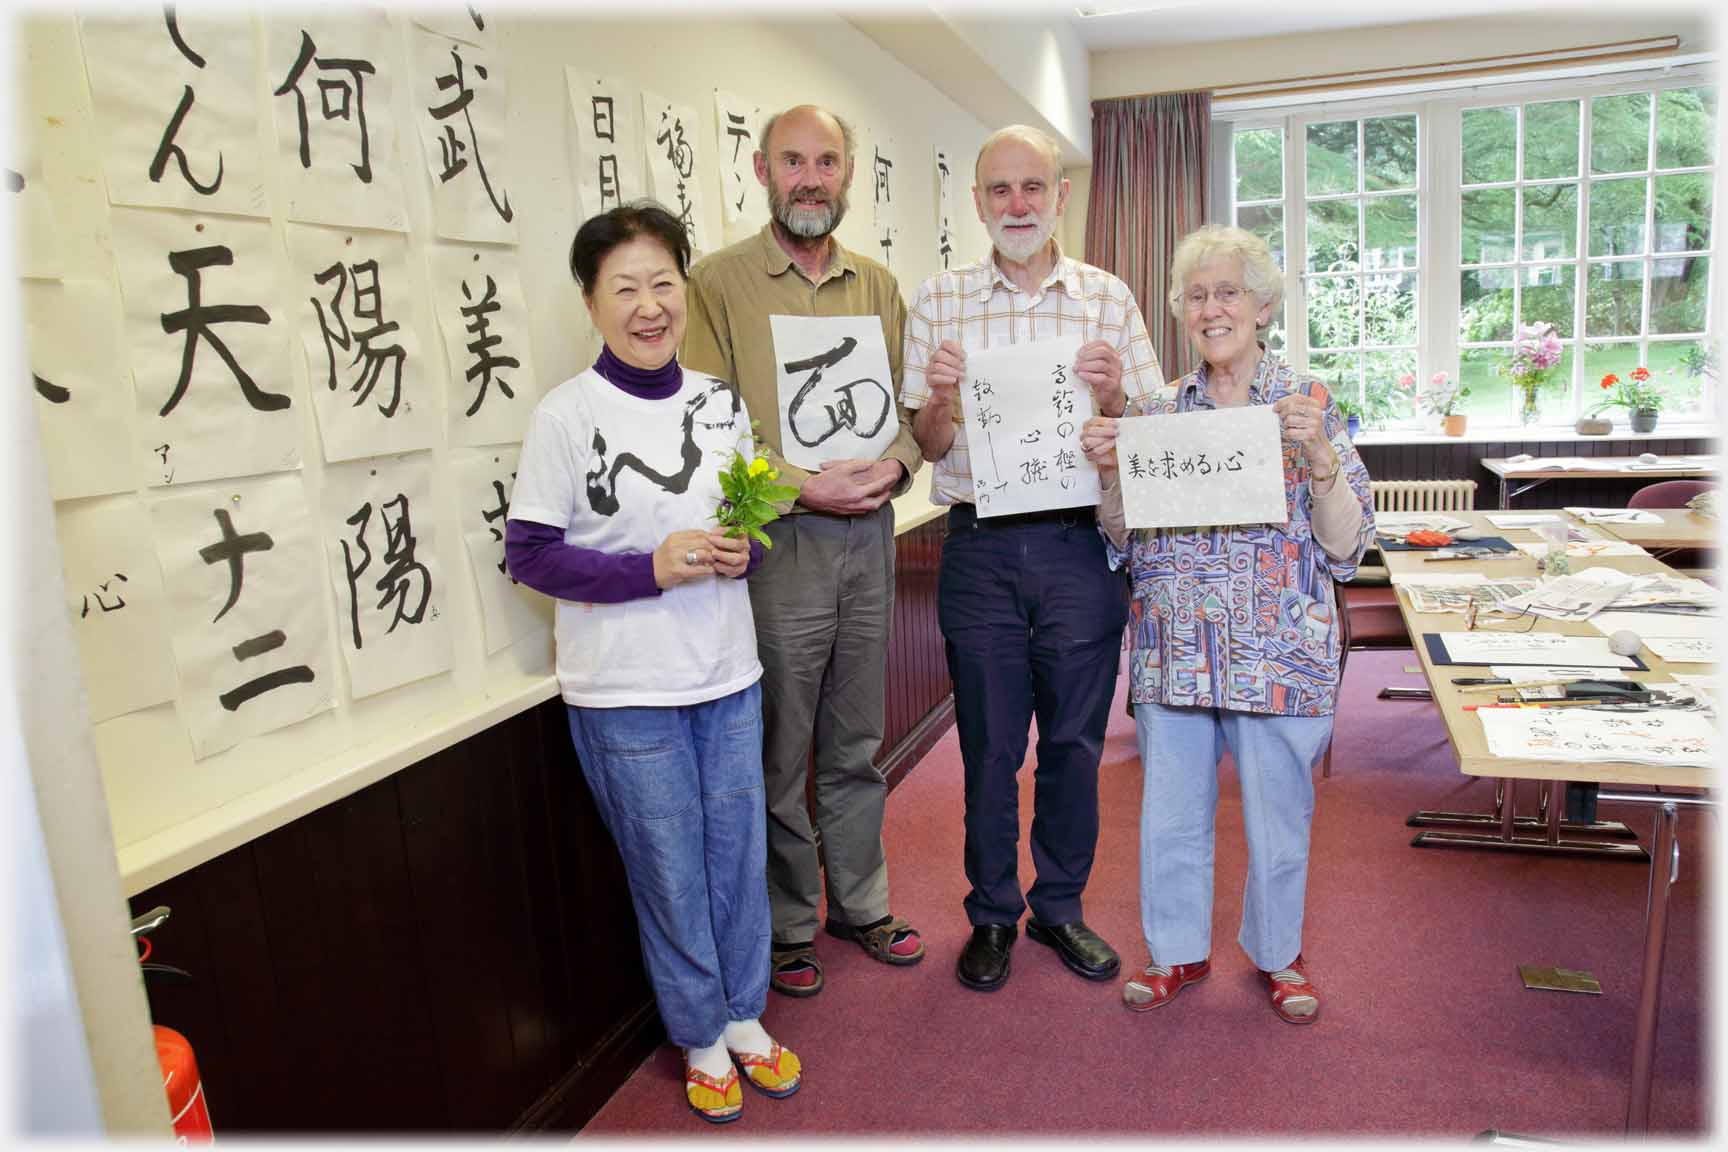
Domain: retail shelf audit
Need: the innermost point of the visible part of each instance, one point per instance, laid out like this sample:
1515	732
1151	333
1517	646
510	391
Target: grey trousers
823	600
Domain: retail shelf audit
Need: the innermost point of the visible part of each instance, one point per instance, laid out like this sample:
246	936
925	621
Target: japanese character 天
197	320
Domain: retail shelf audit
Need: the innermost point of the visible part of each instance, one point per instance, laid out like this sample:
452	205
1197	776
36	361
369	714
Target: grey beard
1021	251
805	224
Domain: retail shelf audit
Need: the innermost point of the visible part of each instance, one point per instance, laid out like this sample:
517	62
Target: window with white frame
1588	209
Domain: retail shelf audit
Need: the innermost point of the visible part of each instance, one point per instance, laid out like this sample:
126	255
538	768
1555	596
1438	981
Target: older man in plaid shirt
1031	612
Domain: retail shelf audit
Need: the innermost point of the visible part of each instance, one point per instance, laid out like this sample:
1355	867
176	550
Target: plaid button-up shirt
979	307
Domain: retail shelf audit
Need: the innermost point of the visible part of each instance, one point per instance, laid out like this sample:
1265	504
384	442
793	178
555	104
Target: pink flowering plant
1443	394
1534	355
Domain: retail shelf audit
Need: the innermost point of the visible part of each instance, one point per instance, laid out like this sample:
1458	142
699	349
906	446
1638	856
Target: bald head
806	113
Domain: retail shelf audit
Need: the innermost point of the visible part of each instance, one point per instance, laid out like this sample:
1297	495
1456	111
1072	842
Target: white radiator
1423	495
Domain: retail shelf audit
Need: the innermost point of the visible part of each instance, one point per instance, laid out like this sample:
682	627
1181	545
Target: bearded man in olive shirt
823	599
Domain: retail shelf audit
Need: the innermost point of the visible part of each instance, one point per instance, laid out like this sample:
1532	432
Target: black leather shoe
1082	949
983	963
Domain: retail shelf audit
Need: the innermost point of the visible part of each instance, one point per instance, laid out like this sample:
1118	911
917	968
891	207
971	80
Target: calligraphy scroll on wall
459	99
509	611
739	127
608	154
356	309
469	23
675	173
82	387
1024	408
1201	469
332	91
477	299
946	220
176	109
249	626
208	344
836	392
381	543
878	161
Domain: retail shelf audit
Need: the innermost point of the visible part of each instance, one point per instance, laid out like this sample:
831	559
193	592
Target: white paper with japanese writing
878	162
469	23
676	174
1024	407
946	219
332	82
1683	649
509	611
118	609
248	620
381	544
608	154
483	319
174	95
459	102
209	346
1588	735
1531	648
1202	469
744	200
35	230
835	390
81	384
355	308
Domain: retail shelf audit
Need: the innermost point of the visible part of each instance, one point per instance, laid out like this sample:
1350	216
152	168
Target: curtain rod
1507	64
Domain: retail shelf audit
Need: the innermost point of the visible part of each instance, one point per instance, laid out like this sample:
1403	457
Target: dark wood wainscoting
451	949
1461	461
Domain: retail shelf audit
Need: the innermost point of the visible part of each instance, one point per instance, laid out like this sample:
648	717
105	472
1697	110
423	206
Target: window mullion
1439	246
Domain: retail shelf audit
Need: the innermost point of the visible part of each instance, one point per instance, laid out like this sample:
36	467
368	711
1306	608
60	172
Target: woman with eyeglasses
1235	638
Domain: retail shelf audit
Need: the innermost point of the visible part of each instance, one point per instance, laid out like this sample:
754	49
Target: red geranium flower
1610	380
1640	373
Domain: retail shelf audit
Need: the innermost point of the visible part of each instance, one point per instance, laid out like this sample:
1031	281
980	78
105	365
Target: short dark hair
600	234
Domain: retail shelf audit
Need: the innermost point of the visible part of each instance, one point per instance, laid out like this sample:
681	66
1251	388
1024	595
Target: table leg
1665	867
1548	844
1501	815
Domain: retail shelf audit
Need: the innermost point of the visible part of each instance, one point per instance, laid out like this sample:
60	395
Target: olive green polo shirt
732	293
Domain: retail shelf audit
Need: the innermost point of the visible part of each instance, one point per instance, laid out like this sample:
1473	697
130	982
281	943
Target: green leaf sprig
750	489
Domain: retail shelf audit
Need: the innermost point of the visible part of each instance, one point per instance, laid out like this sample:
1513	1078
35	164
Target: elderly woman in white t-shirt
613	514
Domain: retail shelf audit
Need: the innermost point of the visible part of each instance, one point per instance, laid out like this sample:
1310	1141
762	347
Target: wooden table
1464	730
1680	528
1601	468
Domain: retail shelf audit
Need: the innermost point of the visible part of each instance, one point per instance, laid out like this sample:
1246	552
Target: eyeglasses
1225	294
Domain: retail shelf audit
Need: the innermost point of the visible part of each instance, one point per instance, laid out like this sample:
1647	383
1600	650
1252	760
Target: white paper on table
218	421
332	84
1397	524
251	638
1434	596
1581	549
738	123
1576	596
1531	648
608	154
1200	469
670	132
835	389
1531	673
1662	588
509	611
381	541
1520	519
1683	649
1648	624
83	388
1696	680
1024	408
118	608
142	80
483	317
1593	736
463	144
1559	464
1615	515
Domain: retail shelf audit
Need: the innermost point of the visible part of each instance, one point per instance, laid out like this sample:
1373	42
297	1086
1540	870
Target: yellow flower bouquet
750	490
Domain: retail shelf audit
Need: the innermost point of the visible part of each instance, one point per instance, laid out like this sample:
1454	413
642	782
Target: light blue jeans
680	789
1180	748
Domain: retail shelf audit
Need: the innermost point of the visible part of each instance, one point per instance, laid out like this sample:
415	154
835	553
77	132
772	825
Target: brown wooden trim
584	1089
919	741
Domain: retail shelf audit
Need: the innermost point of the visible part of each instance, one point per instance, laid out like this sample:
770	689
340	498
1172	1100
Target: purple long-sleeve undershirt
537	556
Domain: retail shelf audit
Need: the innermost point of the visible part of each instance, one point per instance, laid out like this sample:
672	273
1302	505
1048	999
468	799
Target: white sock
747	1036
710	1061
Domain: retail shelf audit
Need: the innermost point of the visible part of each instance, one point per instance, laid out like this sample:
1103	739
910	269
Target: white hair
1260	273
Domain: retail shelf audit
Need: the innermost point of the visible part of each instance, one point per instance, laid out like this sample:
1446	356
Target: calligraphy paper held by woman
1235	639
615	496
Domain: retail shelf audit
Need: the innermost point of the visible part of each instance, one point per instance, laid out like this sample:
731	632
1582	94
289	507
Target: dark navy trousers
1032	618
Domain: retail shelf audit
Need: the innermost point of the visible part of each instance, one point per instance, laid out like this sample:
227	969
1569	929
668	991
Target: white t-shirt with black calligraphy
621	473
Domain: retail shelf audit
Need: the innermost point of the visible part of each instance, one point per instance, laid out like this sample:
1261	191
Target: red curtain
1150	167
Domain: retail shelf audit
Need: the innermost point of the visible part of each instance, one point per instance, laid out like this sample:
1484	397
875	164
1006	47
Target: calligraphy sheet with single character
381	542
608	153
176	110
1024	407
118	608
332	83
209	346
82	386
509	611
356	310
670	132
459	100
836	392
745	202
1202	469
477	299
250	631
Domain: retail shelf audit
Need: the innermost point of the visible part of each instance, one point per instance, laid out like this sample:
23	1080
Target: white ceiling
1144	23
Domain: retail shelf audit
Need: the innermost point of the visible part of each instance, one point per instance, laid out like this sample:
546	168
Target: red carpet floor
1426	1028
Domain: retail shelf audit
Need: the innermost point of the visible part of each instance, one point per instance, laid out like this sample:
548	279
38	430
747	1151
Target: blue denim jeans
680	789
1179	752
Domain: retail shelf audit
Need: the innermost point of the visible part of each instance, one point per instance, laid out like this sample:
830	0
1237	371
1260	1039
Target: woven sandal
795	971
777	1074
1294	996
716	1101
893	941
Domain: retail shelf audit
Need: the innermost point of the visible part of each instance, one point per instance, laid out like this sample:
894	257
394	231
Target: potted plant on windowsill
1351	413
1442	398
1641	399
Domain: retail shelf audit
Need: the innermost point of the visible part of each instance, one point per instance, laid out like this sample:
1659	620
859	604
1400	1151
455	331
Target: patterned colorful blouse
1244	617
